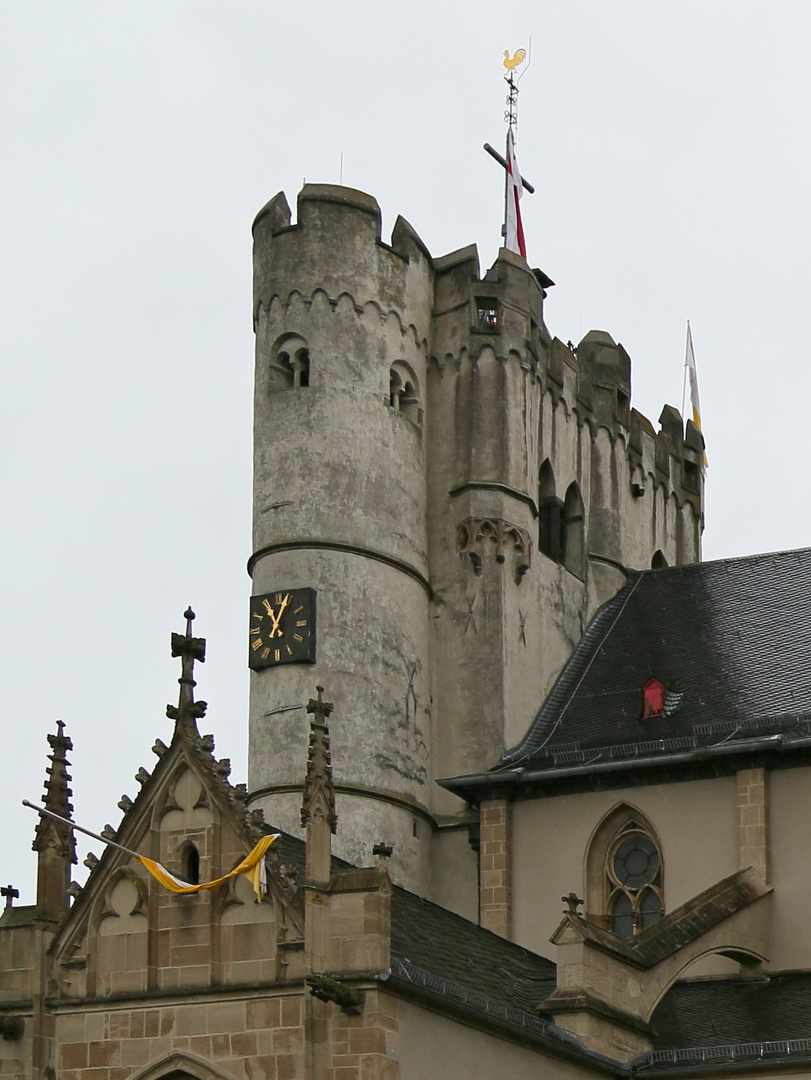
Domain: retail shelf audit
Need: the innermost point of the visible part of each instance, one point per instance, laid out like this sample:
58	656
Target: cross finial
189	649
319	708
10	894
573	901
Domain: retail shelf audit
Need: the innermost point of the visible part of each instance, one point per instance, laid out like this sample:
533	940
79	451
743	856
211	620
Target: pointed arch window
624	873
190	863
550	514
574	541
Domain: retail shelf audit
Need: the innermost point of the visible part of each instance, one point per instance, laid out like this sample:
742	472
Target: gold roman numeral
256	644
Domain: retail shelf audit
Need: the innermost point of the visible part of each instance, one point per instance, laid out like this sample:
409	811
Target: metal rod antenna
73	825
529	61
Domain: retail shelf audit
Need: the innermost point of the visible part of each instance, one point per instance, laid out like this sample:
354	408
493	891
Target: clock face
282	628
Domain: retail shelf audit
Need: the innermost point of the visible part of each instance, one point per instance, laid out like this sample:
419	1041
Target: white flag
513	227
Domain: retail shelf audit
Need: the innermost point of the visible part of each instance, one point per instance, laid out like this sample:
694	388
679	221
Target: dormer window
653	699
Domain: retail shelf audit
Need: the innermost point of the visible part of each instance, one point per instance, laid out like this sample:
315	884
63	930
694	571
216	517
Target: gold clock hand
276	618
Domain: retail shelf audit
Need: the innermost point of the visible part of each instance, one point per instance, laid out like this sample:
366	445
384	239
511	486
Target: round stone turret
342	322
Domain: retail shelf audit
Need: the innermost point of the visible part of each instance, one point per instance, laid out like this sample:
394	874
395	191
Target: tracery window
624	873
633	870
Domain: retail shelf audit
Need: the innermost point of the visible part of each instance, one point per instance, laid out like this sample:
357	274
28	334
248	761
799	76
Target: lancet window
190	864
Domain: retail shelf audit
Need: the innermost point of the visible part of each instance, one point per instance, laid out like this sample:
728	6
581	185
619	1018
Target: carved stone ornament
474	535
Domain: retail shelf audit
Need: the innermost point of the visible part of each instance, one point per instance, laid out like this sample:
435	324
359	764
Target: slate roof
430	938
726	1012
730	641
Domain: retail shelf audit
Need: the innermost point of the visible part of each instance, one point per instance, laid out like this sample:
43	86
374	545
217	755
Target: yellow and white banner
252	865
692	375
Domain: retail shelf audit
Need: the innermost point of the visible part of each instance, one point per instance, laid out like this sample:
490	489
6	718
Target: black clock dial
282	628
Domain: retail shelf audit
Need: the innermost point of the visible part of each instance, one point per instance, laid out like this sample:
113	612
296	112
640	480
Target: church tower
340	523
444	494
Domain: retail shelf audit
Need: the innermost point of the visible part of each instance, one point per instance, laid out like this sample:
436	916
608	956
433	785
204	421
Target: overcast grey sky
669	146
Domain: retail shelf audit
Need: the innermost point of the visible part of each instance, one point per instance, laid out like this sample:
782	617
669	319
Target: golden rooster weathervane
518	57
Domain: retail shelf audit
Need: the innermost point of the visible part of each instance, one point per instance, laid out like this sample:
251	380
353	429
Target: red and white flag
513	228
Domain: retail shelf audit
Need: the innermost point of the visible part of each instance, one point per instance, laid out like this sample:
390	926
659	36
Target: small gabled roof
731	643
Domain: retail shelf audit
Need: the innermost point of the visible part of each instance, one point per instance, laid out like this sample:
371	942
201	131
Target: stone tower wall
340	506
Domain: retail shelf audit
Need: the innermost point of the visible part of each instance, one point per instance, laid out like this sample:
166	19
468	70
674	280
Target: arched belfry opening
404	393
290	364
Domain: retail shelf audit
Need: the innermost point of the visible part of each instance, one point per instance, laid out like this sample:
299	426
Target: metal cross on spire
189	649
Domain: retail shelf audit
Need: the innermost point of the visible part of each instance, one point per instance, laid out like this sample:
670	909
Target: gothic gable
126	933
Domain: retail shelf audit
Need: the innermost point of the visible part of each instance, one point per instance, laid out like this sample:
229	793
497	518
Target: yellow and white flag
692	375
252	865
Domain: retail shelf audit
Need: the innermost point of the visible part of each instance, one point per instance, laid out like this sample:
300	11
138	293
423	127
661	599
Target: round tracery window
636	862
634	872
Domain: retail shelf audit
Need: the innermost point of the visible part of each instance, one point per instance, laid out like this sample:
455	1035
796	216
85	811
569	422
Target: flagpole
73	825
684	378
